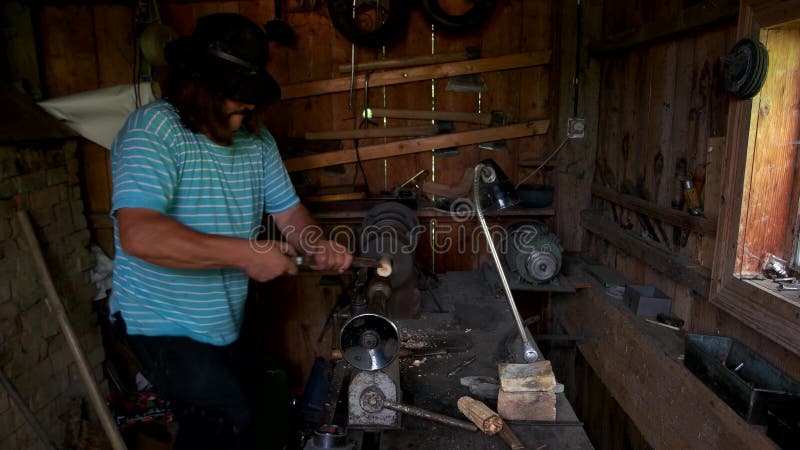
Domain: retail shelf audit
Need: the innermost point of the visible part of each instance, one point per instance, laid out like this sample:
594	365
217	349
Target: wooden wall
661	112
85	47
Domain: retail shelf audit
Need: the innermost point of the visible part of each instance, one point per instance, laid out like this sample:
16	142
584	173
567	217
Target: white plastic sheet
99	114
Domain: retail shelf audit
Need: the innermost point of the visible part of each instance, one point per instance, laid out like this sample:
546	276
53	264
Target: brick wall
42	178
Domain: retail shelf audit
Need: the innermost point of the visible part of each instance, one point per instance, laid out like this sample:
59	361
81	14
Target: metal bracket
576	128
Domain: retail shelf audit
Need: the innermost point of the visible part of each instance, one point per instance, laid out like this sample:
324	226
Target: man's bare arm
303	233
161	240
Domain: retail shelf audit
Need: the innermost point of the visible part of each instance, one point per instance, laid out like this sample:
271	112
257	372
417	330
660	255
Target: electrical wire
546	160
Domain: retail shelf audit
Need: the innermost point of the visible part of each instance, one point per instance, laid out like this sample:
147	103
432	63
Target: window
759	207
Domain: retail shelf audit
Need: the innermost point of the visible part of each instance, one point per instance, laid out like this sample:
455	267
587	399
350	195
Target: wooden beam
682	219
365	133
416	145
422	114
23	120
676	266
638	364
686	20
468	53
400	76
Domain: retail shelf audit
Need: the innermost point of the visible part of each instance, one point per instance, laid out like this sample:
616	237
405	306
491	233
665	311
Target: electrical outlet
576	127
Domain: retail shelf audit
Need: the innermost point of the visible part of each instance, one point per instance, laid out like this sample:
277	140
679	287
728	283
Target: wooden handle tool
383	265
481	415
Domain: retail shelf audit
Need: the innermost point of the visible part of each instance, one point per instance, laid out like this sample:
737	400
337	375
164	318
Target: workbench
466	319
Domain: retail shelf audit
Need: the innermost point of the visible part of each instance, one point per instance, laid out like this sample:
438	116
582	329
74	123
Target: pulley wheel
745	68
369	341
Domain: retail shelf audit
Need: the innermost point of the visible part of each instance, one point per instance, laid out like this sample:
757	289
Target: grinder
370	343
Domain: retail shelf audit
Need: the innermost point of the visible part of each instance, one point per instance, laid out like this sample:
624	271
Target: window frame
767	313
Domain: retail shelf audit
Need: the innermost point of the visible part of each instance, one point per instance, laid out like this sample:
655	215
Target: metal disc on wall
745	68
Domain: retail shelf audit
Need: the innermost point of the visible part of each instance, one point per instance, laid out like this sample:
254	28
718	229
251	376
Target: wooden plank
114	38
670	406
422	114
712	193
416	145
412	61
682	219
579	156
401	76
364	133
671	264
67	44
687	20
22	120
19	50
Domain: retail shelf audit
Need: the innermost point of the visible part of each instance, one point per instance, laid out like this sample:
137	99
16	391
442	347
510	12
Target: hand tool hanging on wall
57	307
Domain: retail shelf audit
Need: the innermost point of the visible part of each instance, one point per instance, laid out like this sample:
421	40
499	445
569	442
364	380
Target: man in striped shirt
193	175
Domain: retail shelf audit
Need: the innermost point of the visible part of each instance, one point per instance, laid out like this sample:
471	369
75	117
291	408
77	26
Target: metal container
751	386
646	301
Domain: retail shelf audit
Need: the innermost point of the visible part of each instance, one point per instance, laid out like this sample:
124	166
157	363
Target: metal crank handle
425	414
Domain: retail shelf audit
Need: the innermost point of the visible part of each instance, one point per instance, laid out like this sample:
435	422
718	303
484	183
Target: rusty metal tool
372	400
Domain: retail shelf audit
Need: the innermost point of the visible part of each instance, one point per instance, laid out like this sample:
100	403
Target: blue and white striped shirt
159	164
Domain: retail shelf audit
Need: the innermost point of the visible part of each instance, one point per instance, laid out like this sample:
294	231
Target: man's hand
270	259
330	255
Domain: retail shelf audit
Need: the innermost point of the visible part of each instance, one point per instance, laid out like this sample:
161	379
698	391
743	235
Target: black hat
227	52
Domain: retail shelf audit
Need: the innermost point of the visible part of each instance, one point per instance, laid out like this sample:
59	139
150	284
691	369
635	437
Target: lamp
499	193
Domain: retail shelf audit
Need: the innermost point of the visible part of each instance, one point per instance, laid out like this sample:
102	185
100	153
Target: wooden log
422	114
535	376
416	145
365	133
481	415
468	53
526	405
401	76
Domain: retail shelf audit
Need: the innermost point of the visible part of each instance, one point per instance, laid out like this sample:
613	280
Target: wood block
527	405
536	376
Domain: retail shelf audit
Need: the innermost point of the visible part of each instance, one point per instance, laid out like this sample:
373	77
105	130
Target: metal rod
425	414
529	353
54	302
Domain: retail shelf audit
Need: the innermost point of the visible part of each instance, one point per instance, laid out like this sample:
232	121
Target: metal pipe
529	353
425	414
